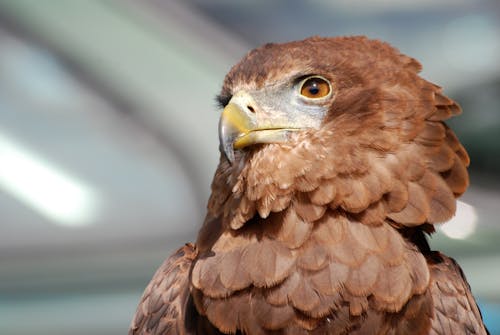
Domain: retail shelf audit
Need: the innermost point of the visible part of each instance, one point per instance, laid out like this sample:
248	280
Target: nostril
250	108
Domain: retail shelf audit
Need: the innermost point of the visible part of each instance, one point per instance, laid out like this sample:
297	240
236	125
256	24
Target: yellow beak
239	127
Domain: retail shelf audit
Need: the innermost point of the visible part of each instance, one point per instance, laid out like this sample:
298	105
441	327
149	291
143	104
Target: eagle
335	166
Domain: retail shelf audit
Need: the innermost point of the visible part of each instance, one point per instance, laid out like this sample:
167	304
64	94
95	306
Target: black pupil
313	88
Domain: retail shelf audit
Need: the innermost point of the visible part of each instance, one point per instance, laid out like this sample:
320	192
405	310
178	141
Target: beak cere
239	126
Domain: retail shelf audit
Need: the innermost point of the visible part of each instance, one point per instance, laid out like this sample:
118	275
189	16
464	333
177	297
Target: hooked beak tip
234	123
226	146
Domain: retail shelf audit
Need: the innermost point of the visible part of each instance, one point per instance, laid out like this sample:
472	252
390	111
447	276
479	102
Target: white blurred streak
48	190
463	224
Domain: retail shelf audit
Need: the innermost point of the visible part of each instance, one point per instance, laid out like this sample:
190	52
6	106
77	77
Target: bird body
335	164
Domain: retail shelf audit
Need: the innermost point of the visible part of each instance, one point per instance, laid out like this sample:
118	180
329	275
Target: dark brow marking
222	100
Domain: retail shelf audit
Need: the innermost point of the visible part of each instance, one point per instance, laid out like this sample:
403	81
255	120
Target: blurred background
108	137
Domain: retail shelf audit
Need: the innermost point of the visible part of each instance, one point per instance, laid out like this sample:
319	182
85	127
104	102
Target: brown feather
442	204
279	294
292	230
393	290
304	297
457	177
441	159
306	210
330	279
433	133
271	316
358	198
361	280
273	260
323	194
375	214
416	210
397	198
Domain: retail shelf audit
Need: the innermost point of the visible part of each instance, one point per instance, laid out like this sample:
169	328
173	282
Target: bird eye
315	88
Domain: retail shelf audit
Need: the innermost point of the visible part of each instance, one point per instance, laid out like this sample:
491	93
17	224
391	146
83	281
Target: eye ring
315	87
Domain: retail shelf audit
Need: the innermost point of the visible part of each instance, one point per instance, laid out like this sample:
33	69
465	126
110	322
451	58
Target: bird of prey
335	165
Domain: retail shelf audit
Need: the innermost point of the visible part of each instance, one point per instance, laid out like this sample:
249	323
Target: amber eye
315	87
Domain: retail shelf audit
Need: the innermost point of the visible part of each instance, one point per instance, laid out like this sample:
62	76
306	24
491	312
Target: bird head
345	123
280	90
